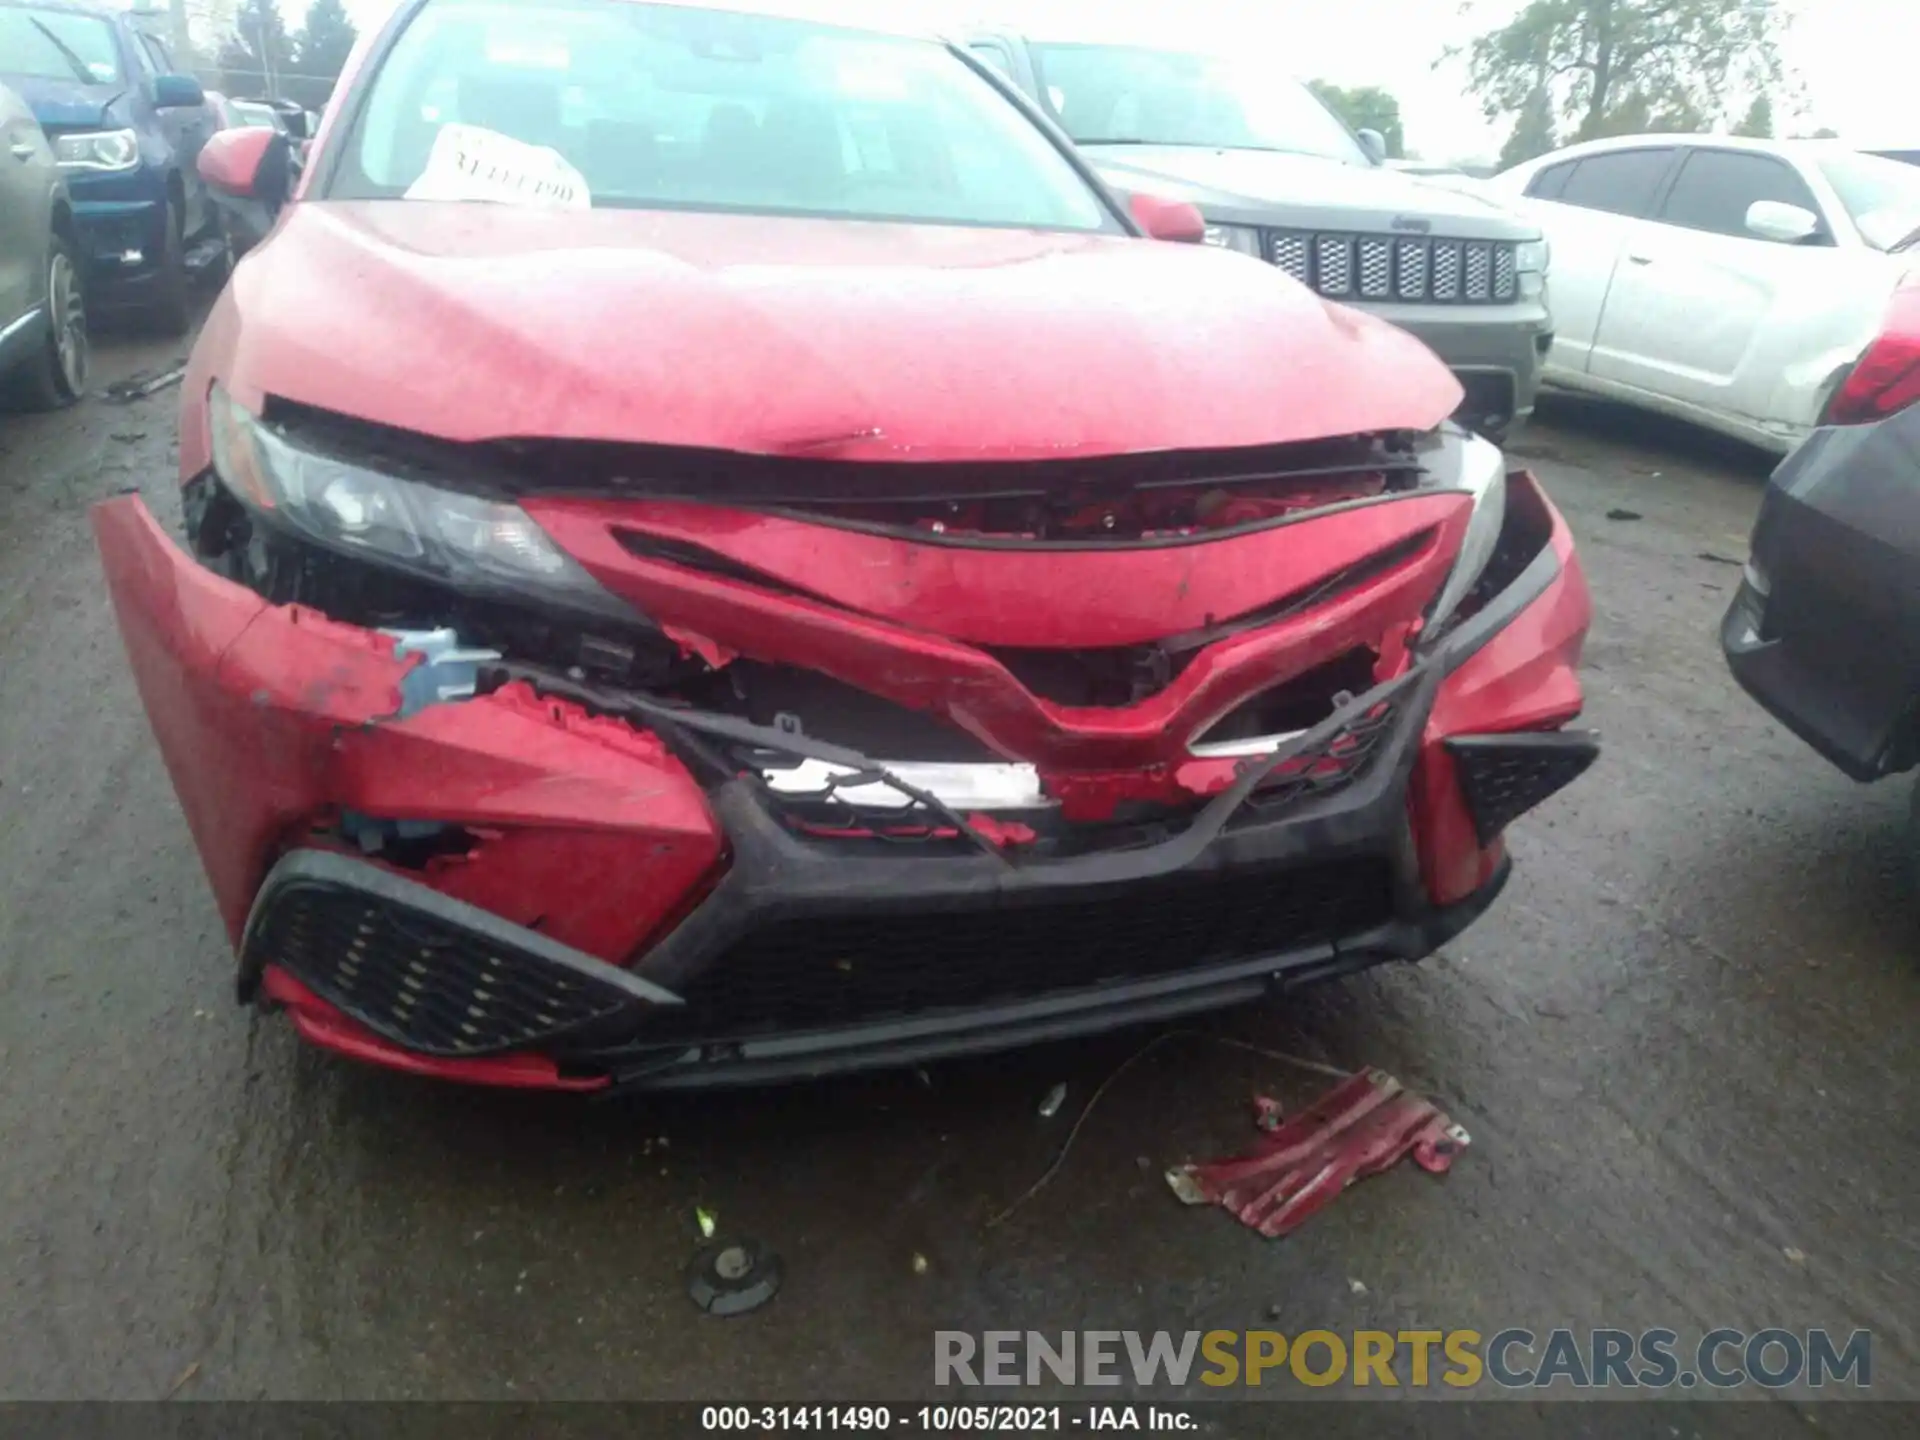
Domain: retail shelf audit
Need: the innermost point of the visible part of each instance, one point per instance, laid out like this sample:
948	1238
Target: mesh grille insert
419	980
860	968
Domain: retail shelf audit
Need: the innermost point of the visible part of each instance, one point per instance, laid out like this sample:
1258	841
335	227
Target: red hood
764	335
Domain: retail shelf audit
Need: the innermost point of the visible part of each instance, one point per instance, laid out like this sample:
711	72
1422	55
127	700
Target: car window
669	106
42	44
1125	95
1548	183
156	55
1715	187
1621	182
1881	196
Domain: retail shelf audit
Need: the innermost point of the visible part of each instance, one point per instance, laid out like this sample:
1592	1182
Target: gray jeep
1278	176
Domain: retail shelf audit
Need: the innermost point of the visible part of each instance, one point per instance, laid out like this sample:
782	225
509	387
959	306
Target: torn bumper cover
613	899
1825	630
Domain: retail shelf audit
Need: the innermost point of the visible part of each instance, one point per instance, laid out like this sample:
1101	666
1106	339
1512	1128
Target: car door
1696	290
28	178
1587	207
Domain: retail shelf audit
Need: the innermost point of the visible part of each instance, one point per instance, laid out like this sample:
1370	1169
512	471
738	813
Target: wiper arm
1911	238
74	62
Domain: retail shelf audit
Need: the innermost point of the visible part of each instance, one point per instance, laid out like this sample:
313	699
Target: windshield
58	45
1119	95
668	107
1882	196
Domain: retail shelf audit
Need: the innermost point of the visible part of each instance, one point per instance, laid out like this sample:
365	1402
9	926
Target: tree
1823	133
258	52
1758	123
1532	131
321	49
1599	58
1367	107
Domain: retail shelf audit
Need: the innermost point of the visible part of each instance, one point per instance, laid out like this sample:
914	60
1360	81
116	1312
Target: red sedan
716	551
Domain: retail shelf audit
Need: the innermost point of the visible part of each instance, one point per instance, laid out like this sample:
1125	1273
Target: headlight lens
468	542
1531	257
98	150
1243	238
1483	473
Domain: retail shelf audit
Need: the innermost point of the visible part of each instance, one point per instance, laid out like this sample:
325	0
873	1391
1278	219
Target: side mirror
178	92
1785	224
254	163
1374	143
1174	220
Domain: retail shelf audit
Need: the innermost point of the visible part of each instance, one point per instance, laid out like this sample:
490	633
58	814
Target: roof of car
1807	149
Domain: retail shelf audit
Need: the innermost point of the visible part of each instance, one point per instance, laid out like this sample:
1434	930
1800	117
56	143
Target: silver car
1279	177
43	313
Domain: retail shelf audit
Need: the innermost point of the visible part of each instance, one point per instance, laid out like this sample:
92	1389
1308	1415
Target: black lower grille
433	983
1504	776
1487	399
853	969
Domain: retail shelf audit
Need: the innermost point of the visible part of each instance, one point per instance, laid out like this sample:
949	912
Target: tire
57	376
170	312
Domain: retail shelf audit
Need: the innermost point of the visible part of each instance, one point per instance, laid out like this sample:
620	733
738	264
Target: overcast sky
1854	57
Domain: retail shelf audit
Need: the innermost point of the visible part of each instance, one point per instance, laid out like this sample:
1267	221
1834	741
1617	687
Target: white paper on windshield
470	162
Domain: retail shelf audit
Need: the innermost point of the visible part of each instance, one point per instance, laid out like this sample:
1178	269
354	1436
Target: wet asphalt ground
1683	1043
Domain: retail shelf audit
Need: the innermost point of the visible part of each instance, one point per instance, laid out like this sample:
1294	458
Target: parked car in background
127	127
908	608
235	114
1281	178
1825	630
43	312
1732	283
246	221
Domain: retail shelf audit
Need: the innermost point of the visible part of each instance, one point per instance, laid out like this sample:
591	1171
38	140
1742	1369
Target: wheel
171	309
216	271
57	376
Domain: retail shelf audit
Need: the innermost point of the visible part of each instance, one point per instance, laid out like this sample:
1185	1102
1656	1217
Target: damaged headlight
468	542
1482	472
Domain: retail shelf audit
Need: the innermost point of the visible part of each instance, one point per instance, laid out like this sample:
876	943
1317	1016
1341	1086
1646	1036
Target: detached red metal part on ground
1364	1126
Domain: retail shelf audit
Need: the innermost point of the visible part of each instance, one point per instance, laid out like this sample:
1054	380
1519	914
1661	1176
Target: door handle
1640	259
23	151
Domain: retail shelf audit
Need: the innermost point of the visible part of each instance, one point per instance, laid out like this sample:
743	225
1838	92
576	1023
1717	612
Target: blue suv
127	129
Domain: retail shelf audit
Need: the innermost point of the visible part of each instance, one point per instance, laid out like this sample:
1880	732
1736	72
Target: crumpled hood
800	336
65	104
1295	184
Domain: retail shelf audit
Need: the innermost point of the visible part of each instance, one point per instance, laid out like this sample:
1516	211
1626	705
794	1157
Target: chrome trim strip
22	323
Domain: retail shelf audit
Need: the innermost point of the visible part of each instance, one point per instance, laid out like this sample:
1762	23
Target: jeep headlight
1531	258
1244	238
465	541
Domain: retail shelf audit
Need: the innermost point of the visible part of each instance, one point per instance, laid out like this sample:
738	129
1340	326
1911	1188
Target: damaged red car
715	550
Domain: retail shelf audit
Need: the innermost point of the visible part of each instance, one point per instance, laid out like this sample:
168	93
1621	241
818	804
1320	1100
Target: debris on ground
920	1263
1624	515
1055	1098
1712	558
734	1278
1357	1287
706	1220
138	387
1794	1256
1362	1127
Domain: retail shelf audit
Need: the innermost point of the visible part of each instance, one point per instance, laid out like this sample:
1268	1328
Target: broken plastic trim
689	727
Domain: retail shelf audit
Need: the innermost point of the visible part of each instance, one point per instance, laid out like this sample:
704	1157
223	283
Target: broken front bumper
612	922
1825	629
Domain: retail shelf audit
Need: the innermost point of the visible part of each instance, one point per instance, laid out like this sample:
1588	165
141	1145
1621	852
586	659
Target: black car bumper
1825	630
